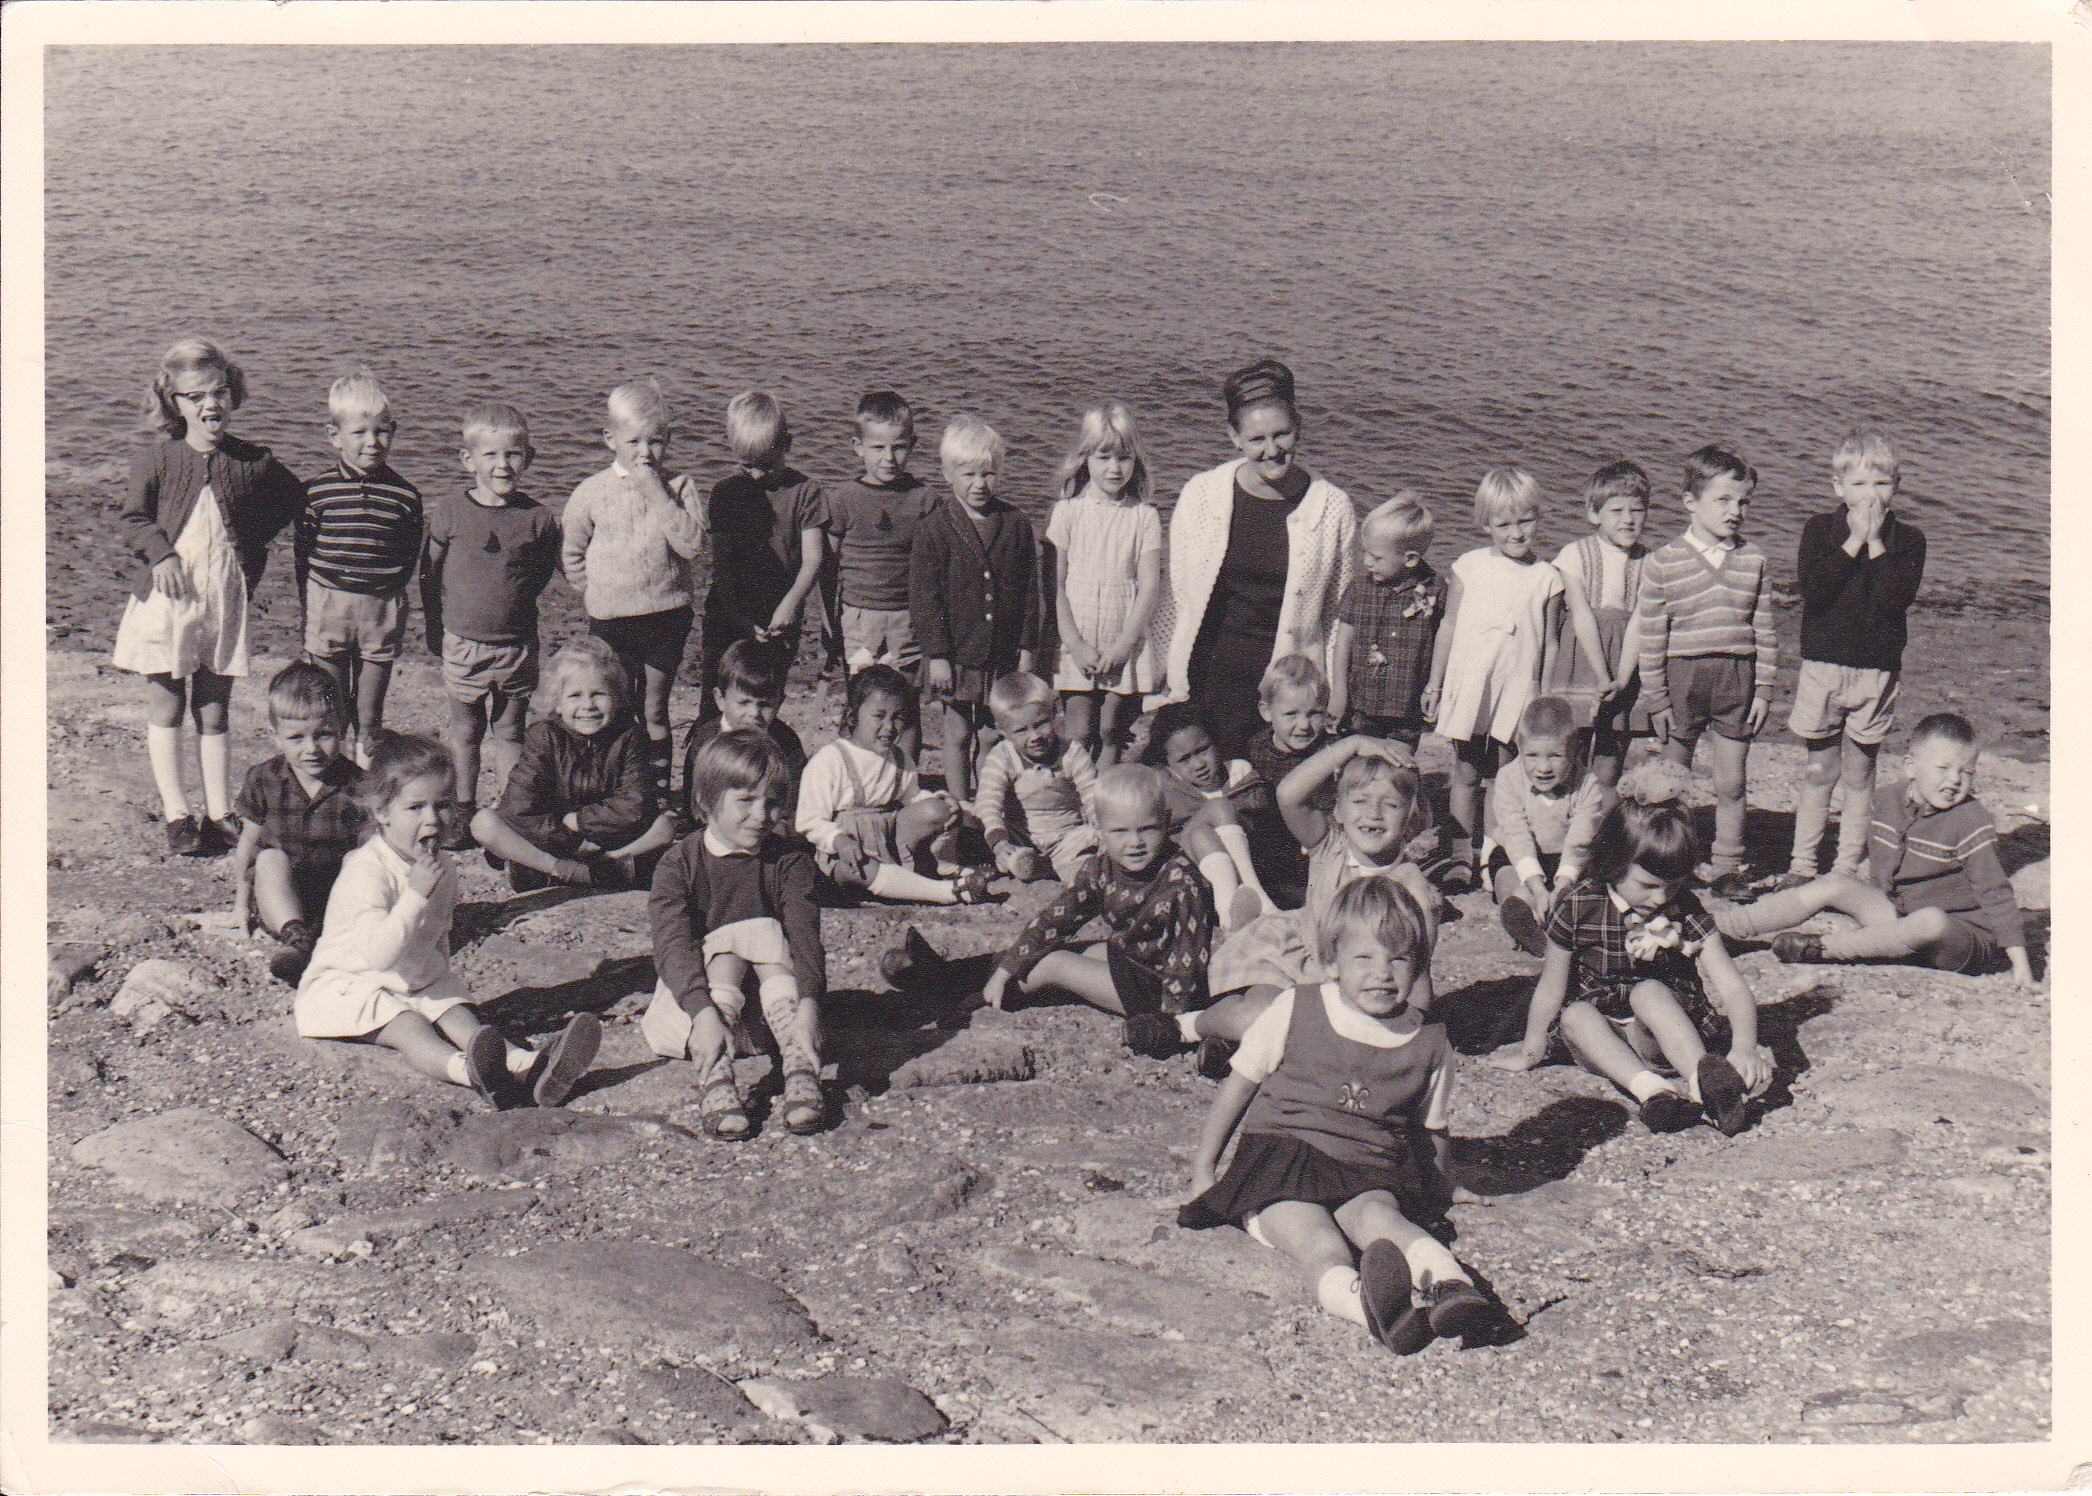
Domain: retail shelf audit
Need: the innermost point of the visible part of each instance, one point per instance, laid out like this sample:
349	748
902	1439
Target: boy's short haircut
1952	726
493	418
302	692
638	406
1403	520
1867	449
1504	492
969	438
1294	672
873	680
1547	719
357	393
401	759
756	428
1381	907
1614	480
584	654
1126	786
884	408
753	668
742	759
1714	461
1018	690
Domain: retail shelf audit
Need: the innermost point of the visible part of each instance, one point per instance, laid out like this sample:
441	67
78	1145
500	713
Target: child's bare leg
1087	976
165	697
424	1047
1464	799
723	975
494	833
462	730
1916	934
957	738
1111	736
1375	1216
1081	721
1730	757
1599	1048
1311	1237
343	668
460	1022
373	679
1812	805
275	895
506	725
209	697
1231	1017
661	834
1856	804
1657	1008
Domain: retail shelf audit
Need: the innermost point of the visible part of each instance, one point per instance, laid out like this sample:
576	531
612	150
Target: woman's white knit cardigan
1321	536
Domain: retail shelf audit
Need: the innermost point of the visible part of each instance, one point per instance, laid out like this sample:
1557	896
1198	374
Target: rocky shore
257	1238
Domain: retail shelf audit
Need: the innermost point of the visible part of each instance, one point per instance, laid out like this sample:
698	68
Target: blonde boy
1051	782
1387	625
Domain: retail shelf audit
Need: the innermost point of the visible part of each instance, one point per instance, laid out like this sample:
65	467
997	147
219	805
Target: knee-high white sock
1337	1291
1219	870
1429	1261
163	750
215	750
1236	842
1811	815
891	882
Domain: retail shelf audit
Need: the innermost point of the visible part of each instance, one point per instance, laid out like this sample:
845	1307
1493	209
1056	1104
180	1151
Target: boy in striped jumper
1937	891
355	545
1707	644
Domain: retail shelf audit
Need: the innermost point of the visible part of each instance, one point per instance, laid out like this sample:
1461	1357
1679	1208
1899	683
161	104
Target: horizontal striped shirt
1692	607
1942	859
359	532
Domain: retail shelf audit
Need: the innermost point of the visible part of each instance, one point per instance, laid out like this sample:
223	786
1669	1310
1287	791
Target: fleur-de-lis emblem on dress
1351	1096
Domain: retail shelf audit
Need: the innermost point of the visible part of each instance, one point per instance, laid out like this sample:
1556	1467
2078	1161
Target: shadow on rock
476	919
1779	1030
1541	1148
538	1010
1487	1015
2023	846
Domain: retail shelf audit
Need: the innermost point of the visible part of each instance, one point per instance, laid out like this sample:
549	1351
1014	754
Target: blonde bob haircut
1129	787
1504	493
1380	908
1109	428
357	393
969	438
756	428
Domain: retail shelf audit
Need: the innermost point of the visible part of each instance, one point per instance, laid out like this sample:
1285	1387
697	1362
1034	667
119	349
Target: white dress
1493	663
1103	541
383	951
160	636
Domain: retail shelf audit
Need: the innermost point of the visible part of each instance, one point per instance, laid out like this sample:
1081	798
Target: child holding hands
1342	1091
1107	541
381	971
1051	782
1601	593
1630	952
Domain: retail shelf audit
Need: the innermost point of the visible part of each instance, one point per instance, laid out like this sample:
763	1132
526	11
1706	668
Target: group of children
1279	912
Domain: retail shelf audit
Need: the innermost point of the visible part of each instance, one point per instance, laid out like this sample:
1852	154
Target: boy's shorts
878	838
875	637
1711	692
647	639
363	624
1071	851
473	671
1408	731
1968	948
1849	699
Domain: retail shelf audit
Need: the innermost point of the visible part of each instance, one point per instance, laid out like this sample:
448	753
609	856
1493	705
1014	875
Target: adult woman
1260	550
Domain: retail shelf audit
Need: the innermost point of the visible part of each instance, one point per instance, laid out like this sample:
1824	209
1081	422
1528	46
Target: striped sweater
1942	859
1690	608
359	532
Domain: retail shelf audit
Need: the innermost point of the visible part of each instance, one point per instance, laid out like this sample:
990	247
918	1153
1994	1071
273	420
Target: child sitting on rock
299	817
1051	783
1640	951
1206	799
732	899
1343	1092
1152	966
381	971
1545	810
579	806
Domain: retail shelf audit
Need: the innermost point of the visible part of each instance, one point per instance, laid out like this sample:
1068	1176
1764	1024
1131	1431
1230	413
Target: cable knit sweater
1321	536
627	554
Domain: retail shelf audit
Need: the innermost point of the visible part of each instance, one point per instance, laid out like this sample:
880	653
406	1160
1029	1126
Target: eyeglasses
198	397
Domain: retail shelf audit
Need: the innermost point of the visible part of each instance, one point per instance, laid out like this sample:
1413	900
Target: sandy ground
288	1241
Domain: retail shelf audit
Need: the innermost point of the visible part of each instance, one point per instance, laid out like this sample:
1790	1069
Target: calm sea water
1471	254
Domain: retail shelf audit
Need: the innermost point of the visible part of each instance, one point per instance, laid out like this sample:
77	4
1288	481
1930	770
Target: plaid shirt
1394	624
315	834
1591	923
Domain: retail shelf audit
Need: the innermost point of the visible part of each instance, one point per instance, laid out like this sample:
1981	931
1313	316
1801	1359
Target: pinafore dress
160	636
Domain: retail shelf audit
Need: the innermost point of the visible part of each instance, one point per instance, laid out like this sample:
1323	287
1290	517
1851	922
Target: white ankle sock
215	749
455	1072
1236	842
1188	1028
163	750
891	882
1430	1262
1645	1084
1337	1291
519	1060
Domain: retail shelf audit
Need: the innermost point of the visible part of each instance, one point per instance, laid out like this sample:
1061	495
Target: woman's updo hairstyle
1265	382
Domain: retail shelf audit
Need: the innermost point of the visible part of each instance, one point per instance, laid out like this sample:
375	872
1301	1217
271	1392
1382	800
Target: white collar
619	468
719	848
1713	553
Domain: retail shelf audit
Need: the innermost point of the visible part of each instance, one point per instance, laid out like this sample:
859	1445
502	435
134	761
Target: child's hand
1761	708
1428	706
1462	1195
1753	1066
1537	895
1660	723
937	677
429	866
1515	1057
1080	652
849	858
171	580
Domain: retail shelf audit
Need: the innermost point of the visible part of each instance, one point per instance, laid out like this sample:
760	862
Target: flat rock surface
344	1252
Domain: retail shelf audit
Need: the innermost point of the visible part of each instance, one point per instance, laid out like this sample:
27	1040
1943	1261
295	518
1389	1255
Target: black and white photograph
778	738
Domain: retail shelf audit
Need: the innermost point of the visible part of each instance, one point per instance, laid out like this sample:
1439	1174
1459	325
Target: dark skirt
1270	1167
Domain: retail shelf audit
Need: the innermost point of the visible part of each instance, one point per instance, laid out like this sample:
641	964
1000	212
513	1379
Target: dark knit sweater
1852	607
